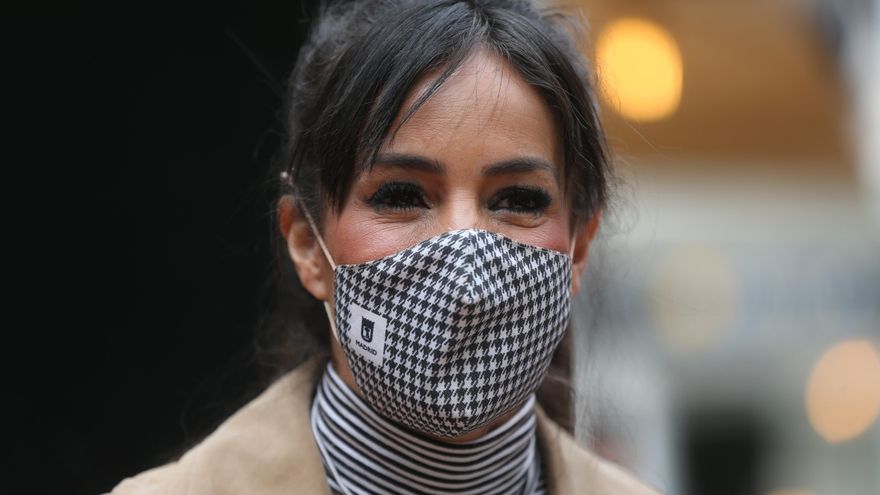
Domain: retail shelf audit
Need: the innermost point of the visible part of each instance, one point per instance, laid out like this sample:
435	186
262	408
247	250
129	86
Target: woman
443	179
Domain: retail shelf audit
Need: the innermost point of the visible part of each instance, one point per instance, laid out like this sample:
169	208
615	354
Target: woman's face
481	153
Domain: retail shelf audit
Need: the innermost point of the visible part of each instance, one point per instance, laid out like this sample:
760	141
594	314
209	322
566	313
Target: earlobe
312	268
581	252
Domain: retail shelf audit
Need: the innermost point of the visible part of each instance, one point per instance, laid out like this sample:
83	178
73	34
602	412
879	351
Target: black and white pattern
364	453
449	334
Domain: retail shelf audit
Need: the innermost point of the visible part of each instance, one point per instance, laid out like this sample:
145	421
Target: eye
398	196
520	199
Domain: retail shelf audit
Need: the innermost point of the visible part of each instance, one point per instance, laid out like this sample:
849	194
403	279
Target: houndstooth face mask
448	334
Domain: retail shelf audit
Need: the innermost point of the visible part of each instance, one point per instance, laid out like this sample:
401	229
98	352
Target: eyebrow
410	162
423	164
519	165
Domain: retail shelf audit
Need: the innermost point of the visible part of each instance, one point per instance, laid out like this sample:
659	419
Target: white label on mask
367	334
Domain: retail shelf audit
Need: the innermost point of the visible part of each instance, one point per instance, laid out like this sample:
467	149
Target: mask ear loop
285	177
314	228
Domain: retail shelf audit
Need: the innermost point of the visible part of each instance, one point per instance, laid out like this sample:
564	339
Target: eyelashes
521	199
404	196
398	196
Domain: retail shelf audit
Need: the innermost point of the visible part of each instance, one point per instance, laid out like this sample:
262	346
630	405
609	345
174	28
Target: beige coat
267	448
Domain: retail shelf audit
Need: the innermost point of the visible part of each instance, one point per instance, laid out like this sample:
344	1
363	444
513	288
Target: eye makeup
398	196
401	196
521	200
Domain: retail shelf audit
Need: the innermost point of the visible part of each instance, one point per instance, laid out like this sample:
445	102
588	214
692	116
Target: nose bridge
462	211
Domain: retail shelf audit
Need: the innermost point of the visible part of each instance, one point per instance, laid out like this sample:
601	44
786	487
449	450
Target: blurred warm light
843	394
790	492
694	297
641	69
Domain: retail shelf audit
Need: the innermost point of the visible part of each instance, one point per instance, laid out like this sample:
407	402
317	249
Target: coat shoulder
573	469
155	481
266	447
611	478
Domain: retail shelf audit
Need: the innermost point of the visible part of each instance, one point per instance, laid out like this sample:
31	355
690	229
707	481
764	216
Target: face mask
447	335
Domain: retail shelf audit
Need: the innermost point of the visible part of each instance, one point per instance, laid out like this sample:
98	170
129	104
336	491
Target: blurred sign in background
730	340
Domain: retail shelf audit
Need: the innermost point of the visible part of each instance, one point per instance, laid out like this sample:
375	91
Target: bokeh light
843	393
641	69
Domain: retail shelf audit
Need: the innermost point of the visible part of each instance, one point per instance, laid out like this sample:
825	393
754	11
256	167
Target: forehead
485	111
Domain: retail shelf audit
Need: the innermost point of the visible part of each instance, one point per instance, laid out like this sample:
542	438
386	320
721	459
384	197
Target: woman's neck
362	450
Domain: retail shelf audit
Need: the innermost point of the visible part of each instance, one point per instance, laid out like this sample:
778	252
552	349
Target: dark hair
349	84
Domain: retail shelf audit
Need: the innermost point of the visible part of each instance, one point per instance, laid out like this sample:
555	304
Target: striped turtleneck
364	453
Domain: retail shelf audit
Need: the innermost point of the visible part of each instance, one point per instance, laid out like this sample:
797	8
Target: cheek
553	234
357	236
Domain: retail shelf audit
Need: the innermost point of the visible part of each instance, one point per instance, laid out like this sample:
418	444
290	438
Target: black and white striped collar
363	452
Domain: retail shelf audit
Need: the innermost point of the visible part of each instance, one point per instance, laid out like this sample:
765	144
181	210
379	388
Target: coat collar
267	447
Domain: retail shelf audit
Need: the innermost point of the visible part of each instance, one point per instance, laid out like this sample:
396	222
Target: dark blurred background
135	246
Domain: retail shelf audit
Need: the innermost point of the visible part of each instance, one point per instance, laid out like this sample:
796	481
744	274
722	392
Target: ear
582	239
311	265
